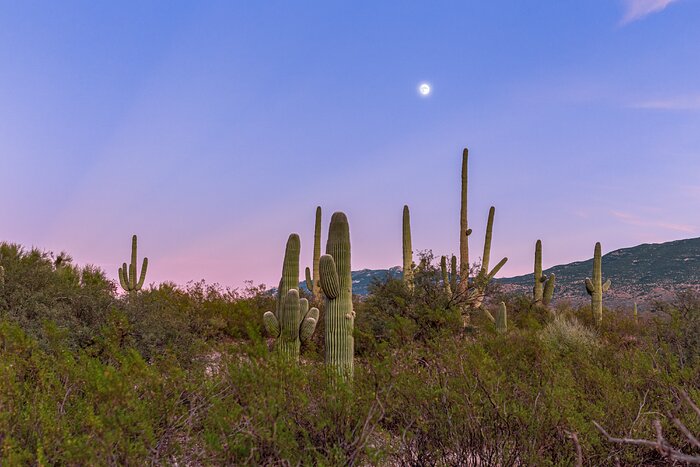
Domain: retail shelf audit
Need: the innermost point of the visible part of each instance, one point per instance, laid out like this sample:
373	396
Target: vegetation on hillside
184	374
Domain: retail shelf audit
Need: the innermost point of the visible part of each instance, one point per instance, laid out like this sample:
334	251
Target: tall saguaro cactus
293	322
484	276
453	274
127	277
596	287
544	286
407	249
464	230
336	284
314	285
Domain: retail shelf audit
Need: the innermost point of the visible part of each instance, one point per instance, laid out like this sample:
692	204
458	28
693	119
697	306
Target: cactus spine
596	287
485	276
544	286
407	249
314	285
336	284
293	322
502	318
464	229
127	277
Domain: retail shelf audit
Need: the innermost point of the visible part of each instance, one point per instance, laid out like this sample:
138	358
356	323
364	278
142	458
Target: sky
213	129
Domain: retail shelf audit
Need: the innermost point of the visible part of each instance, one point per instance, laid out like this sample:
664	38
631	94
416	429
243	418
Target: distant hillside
362	279
643	273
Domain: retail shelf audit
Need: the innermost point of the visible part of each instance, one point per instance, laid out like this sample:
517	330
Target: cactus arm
496	268
308	324
549	289
123	279
485	259
489	315
589	286
303	308
607	285
309	281
142	278
271	324
330	284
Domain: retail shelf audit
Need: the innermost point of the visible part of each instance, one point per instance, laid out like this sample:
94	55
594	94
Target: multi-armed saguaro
336	284
127	277
484	276
314	285
596	287
544	286
293	322
407	249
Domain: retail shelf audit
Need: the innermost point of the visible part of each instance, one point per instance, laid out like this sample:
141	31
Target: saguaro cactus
485	276
464	230
313	284
634	313
293	322
127	277
544	286
502	318
336	284
407	249
445	277
596	287
453	273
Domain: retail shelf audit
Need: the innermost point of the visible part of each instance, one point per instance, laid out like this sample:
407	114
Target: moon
424	89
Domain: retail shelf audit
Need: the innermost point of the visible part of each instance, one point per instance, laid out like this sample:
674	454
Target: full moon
424	89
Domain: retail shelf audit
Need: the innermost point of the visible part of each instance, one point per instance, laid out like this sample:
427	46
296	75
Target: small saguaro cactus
407	249
596	286
336	284
544	286
635	315
453	273
502	318
293	322
127	277
445	277
484	276
314	285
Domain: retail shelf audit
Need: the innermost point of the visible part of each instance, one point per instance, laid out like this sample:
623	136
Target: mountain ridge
642	273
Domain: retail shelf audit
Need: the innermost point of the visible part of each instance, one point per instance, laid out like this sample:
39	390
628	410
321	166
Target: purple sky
213	129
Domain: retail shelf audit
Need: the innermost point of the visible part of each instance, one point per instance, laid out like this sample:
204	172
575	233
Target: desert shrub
38	288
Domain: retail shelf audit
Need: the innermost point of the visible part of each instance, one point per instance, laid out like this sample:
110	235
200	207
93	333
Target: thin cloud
638	9
631	219
691	102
